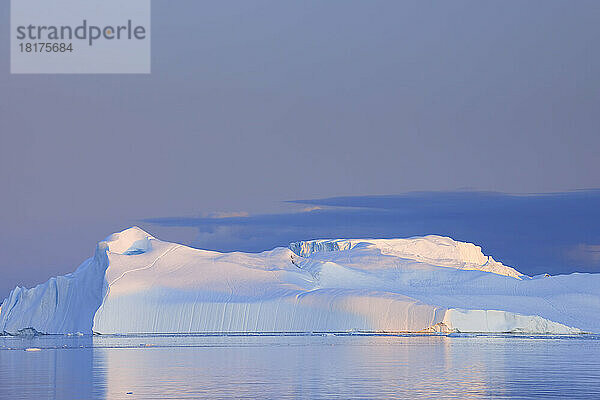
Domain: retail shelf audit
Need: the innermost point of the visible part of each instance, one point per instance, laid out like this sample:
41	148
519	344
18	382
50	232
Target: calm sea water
301	366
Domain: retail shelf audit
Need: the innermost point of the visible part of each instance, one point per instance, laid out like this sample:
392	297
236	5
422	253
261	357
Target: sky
252	104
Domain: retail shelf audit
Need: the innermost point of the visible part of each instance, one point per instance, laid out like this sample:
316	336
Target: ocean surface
311	366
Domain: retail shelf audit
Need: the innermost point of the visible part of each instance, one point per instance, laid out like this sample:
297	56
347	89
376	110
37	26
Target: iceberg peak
132	240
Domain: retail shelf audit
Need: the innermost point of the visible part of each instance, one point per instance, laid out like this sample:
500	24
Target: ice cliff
136	283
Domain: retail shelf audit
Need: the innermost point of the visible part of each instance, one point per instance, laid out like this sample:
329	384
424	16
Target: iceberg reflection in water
300	366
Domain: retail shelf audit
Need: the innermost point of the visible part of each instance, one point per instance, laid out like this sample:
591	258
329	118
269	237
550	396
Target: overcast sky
253	102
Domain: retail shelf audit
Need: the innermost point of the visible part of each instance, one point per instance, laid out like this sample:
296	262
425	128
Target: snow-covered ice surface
136	283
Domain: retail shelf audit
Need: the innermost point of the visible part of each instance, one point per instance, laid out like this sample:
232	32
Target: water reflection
53	372
163	367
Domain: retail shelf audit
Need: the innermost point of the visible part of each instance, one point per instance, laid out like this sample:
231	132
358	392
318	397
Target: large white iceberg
136	283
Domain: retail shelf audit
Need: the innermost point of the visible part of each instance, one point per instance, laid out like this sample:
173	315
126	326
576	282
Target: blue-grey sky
254	102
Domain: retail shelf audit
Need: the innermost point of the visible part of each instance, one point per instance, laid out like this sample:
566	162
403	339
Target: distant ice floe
136	283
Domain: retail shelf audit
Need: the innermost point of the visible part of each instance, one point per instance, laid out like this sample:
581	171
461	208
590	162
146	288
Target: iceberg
136	283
